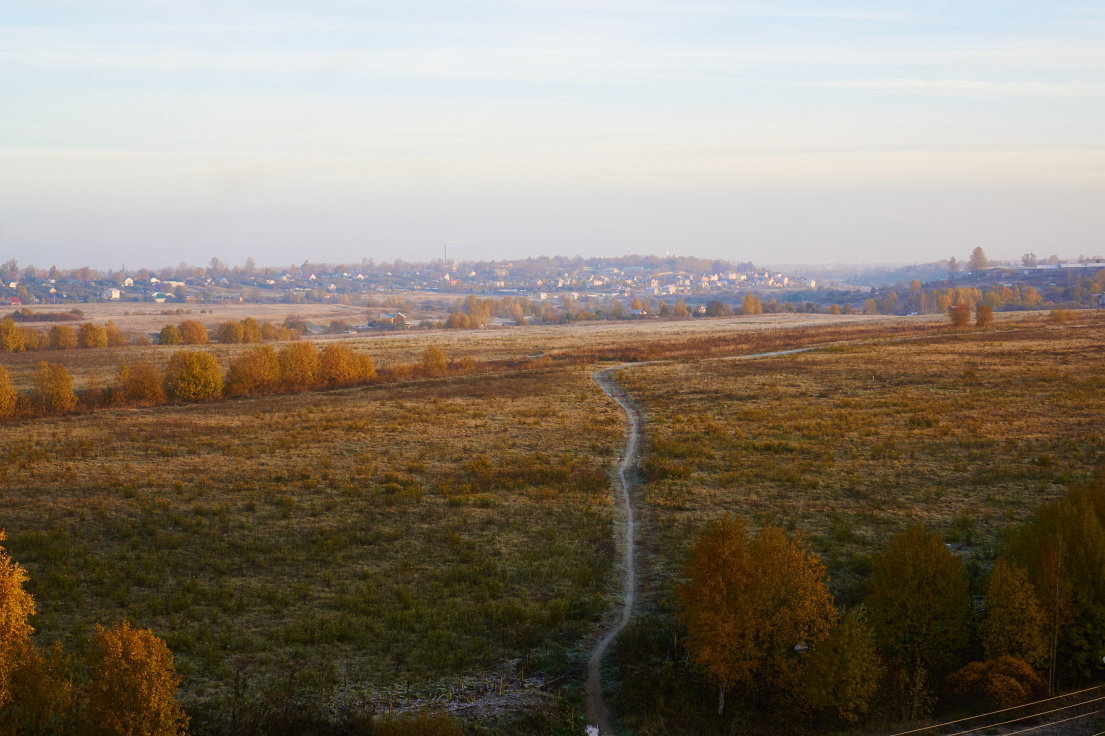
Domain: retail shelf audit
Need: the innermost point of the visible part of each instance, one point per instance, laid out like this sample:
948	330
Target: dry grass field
405	533
425	530
508	345
150	317
965	431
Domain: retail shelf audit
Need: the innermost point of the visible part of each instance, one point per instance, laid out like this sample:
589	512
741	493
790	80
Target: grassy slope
965	431
399	533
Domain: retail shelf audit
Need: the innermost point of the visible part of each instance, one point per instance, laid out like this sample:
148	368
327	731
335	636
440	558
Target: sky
144	133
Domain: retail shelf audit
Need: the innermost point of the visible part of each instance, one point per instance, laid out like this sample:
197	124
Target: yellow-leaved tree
298	366
16	606
1015	625
752	607
141	383
54	389
338	365
9	397
253	373
133	685
193	375
434	362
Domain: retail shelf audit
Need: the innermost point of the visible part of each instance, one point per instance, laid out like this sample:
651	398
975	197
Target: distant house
15	301
111	294
390	319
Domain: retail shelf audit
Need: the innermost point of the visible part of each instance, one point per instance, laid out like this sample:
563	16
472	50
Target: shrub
54	389
141	383
983	316
193	332
193	375
959	314
169	335
91	336
133	685
9	397
1061	316
434	362
62	337
298	366
255	372
999	683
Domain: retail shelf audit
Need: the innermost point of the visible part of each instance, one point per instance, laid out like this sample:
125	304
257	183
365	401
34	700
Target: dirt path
597	713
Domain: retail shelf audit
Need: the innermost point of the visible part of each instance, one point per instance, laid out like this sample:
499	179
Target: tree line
756	620
15	338
196	375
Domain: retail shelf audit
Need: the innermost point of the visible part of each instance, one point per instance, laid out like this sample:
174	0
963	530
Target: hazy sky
148	132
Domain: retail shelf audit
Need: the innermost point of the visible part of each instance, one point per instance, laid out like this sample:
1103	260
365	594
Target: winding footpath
597	713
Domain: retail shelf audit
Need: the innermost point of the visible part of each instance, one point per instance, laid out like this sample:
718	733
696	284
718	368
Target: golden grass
513	346
408	532
965	431
417	530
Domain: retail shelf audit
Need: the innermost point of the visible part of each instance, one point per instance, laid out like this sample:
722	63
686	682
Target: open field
513	345
150	317
422	531
965	431
373	536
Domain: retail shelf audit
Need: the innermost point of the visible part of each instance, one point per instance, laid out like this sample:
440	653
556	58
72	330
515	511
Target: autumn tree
253	373
984	316
997	683
715	308
251	331
434	362
458	321
34	339
338	365
959	314
16	606
115	337
62	337
192	332
91	335
53	389
9	397
193	375
870	307
133	685
1062	549
1014	624
42	693
751	304
978	260
843	671
11	337
918	603
141	383
169	335
749	605
298	366
230	332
